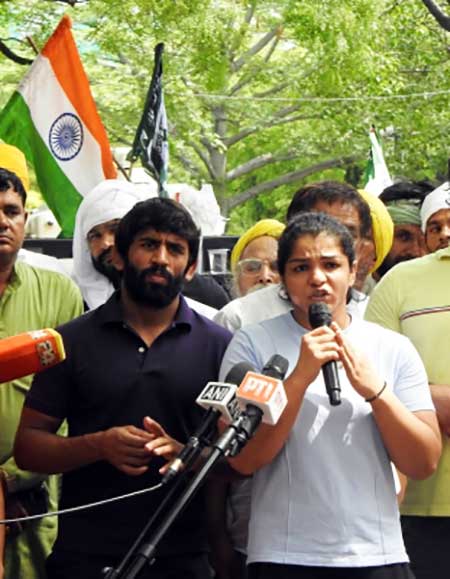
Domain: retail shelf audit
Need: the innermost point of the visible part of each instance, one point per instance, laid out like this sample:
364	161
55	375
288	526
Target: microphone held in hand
319	315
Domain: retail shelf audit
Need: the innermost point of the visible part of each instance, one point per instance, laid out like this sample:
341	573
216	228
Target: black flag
150	143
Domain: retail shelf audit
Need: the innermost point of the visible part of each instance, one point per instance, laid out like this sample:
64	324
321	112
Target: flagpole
150	143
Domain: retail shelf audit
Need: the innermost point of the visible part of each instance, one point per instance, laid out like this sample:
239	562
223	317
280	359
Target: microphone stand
191	451
229	443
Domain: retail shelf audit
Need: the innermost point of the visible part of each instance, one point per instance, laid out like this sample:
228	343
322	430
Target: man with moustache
413	299
31	298
403	201
340	200
96	222
127	388
97	219
435	217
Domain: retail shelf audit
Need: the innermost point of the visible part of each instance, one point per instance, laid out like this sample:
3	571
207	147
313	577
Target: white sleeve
229	317
240	349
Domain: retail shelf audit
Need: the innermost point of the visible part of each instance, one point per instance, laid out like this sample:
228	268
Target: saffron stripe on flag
63	56
72	152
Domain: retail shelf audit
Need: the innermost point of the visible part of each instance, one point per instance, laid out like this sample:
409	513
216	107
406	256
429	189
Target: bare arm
38	448
412	439
441	399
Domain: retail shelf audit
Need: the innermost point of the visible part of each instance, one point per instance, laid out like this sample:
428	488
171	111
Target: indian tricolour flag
377	176
53	119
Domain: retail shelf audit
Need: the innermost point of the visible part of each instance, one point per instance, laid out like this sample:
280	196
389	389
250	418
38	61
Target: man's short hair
331	192
162	215
9	180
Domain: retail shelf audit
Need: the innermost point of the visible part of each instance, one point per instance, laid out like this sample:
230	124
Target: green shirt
34	299
414	299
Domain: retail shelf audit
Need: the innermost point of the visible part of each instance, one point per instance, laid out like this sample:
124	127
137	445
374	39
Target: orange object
29	353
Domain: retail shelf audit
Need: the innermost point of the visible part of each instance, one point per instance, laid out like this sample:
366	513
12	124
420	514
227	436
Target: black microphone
319	315
219	400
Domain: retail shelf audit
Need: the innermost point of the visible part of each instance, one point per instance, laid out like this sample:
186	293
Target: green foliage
277	98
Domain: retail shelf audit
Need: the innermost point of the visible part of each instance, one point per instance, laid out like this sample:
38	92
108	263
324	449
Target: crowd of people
358	490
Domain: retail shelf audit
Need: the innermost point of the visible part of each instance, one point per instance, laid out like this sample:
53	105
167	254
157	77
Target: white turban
434	202
111	199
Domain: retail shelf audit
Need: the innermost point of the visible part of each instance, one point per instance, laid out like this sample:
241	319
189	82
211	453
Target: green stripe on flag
17	128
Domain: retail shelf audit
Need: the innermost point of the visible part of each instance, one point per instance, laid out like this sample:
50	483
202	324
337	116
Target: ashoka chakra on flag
66	137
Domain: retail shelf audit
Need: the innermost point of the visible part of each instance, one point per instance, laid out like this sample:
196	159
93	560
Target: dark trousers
275	571
427	541
62	565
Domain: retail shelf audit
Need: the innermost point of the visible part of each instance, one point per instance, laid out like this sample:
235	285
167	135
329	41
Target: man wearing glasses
254	257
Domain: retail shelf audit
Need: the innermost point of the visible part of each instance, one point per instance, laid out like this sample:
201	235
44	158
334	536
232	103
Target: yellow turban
382	227
269	227
14	160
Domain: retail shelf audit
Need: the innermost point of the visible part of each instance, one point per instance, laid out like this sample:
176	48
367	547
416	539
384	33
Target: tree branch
241	61
442	19
250	12
230	141
6	51
291	177
70	2
203	158
274	90
272	48
258	162
189	165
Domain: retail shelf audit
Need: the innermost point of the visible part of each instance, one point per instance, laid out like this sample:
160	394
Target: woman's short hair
313	223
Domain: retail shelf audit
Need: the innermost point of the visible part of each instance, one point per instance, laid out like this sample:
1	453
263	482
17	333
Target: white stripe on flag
47	101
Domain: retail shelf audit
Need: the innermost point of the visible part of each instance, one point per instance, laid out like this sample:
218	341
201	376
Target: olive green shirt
34	299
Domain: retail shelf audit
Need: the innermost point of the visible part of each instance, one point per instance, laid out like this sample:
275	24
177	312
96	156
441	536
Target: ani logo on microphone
66	137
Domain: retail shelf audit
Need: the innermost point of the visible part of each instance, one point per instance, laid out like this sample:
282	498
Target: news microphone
265	391
221	396
29	353
319	315
219	400
262	397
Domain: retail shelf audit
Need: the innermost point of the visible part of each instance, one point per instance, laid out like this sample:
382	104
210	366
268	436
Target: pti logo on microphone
266	393
258	387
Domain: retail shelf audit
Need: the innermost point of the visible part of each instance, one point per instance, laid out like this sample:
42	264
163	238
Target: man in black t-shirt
127	388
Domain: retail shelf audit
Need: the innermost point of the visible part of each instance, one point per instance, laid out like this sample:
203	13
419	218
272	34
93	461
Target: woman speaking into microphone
323	498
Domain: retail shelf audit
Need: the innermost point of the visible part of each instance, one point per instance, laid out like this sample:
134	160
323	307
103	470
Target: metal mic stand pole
197	442
226	444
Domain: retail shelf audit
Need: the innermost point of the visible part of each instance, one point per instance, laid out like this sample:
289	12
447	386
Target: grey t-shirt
328	498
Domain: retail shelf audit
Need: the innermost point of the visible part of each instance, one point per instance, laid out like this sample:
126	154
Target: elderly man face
257	266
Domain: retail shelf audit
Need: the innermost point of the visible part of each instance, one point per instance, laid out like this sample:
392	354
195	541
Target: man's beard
107	269
148	293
